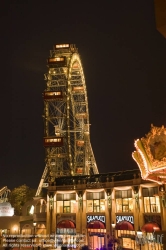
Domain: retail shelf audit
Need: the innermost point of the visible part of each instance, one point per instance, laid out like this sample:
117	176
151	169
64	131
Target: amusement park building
89	205
81	210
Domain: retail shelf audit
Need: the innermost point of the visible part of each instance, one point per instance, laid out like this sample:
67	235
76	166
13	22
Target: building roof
102	177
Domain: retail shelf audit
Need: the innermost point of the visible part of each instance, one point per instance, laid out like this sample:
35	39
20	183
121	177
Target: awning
150	227
124	225
66	224
96	225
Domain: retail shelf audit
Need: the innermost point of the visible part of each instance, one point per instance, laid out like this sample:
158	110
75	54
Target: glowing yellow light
32	210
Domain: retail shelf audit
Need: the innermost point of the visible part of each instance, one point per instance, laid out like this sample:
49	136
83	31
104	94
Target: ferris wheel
66	117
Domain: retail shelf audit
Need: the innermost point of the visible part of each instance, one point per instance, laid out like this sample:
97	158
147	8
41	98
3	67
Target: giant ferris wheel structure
66	118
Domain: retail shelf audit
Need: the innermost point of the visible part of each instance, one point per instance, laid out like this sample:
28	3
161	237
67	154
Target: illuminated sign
95	217
6	209
120	218
150	155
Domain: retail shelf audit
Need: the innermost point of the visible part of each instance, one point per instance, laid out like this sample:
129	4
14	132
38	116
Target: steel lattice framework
66	117
4	192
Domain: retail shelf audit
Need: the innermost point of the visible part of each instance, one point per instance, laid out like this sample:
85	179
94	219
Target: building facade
19	231
82	210
100	211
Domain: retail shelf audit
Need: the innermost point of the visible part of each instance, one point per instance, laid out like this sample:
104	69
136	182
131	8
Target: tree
19	196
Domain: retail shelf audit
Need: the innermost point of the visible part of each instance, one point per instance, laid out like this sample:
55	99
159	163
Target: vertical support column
84	219
50	225
54	215
48	217
80	209
108	204
162	190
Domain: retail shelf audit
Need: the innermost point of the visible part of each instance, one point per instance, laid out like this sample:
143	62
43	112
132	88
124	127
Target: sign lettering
120	218
6	209
95	217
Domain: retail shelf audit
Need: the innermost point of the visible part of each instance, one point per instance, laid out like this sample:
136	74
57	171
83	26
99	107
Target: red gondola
78	89
62	46
53	141
47	95
55	62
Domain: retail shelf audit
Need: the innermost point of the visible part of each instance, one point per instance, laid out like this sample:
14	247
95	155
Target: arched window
26	229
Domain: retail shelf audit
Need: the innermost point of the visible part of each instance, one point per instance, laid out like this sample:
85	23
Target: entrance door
95	242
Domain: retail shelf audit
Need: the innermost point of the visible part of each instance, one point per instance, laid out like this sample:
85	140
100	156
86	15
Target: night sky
124	61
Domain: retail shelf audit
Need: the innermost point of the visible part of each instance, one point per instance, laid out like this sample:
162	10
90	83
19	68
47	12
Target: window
40	207
28	210
4	231
151	200
66	206
95	202
66	203
124	201
26	229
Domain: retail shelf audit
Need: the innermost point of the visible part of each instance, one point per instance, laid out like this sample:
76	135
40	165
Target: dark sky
124	61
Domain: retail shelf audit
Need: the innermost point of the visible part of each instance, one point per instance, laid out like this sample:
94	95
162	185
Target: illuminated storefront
125	230
82	213
96	230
